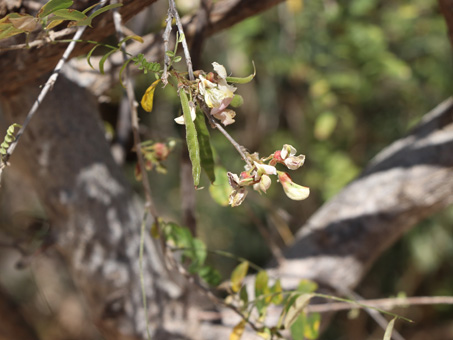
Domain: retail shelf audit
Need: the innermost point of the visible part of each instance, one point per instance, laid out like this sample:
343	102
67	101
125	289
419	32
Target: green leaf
129	37
242	80
297	328
276	289
296	307
68	14
220	190
210	275
87	21
191	138
8	30
261	281
170	53
238	275
52	6
204	140
148	97
177	59
307	286
389	330
312	324
104	59
181	38
89	55
244	296
197	253
262	288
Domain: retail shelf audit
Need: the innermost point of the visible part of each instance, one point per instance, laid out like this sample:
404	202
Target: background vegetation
339	80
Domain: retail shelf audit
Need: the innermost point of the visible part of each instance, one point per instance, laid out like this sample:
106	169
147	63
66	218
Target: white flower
288	156
180	120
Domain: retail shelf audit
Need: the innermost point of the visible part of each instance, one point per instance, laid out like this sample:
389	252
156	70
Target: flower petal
226	117
220	70
292	190
193	114
294	162
287	149
265	169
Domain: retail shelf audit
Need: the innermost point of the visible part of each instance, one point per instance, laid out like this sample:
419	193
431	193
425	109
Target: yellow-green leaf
191	138
238	330
147	99
276	291
237	276
204	140
52	6
389	330
296	309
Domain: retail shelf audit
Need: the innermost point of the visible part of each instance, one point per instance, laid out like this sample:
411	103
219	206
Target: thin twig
166	38
134	121
184	41
387	304
49	84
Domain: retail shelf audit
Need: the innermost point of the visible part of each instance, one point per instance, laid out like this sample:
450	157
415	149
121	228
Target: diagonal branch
405	183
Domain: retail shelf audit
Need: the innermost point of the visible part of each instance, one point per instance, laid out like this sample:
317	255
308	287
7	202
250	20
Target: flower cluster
217	95
154	154
257	174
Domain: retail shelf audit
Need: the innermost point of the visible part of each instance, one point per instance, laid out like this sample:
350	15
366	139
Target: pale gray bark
405	183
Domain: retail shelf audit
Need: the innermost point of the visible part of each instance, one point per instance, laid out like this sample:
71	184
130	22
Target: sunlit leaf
220	190
52	6
296	308
389	330
325	125
238	275
204	140
238	330
242	80
148	97
191	138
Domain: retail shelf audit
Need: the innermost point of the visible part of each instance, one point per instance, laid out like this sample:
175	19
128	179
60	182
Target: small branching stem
175	14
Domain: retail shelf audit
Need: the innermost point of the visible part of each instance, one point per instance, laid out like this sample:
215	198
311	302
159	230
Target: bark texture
92	209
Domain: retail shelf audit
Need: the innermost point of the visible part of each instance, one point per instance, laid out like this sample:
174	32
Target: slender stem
166	37
48	86
184	41
142	277
134	121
